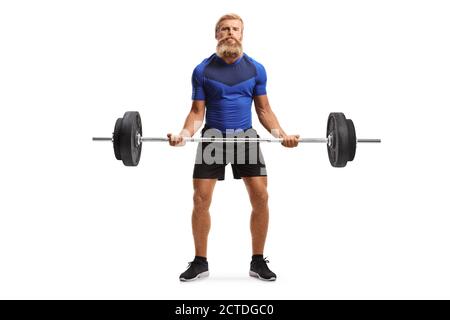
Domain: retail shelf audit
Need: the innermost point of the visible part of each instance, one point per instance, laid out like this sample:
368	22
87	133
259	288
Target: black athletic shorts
212	157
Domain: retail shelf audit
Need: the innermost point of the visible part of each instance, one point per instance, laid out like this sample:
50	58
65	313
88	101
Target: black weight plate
332	147
116	138
338	151
351	139
130	148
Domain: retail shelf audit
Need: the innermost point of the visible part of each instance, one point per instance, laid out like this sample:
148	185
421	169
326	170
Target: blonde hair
229	16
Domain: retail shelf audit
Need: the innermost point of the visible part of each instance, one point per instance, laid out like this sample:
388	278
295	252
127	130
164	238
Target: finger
174	140
180	141
169	135
294	140
289	142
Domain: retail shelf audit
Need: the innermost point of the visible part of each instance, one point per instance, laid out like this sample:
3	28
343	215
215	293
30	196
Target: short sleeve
261	80
198	92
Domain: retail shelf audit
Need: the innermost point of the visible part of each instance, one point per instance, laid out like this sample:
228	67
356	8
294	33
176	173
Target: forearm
270	123
192	123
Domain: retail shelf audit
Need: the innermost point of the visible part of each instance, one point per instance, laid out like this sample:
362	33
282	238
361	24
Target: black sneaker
196	269
260	270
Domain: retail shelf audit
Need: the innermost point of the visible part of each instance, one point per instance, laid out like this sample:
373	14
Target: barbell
340	139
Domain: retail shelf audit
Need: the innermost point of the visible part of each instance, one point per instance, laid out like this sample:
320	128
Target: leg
201	220
259	221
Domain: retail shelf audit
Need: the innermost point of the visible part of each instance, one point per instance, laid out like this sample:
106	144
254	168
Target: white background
76	223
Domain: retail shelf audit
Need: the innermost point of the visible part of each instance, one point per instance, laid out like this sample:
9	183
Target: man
224	85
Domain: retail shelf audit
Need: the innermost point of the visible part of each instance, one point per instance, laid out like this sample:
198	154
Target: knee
201	200
260	198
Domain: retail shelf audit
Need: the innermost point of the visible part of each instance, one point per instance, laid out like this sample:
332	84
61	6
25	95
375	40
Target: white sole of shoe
254	274
199	276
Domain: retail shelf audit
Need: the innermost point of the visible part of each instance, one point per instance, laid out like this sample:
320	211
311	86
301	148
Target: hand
176	140
291	141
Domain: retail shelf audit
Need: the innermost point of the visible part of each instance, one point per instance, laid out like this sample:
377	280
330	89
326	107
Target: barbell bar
340	139
234	140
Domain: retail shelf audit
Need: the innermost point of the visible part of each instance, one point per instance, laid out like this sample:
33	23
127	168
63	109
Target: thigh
209	162
249	162
209	171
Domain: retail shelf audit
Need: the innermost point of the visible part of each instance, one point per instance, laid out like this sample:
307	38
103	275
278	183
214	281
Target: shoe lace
265	260
190	263
263	264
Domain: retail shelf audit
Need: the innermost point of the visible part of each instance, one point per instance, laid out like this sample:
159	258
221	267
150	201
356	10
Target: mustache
222	41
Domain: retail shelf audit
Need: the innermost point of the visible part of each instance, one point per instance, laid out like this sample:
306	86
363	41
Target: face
229	28
229	39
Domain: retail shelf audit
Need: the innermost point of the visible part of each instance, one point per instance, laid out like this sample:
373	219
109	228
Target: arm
192	123
270	121
194	119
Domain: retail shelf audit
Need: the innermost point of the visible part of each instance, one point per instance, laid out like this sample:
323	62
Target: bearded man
224	87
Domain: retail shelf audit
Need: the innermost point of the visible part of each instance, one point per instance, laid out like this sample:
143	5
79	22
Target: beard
225	49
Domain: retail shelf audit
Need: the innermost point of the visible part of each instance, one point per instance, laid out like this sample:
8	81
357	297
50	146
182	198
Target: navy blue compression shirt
228	90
